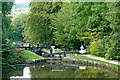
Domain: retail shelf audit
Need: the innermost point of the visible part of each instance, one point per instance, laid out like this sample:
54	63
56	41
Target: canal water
56	70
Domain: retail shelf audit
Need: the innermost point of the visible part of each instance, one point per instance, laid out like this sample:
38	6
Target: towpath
93	57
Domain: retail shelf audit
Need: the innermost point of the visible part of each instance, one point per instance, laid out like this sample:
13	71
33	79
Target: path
102	59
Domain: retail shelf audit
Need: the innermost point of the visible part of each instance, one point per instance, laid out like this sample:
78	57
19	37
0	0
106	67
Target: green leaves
37	28
45	7
17	26
9	54
69	24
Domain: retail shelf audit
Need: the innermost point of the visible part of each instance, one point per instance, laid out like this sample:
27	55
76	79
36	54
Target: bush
88	50
10	55
96	48
93	48
107	56
13	58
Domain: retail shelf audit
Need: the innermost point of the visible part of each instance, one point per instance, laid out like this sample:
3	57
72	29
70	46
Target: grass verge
84	58
56	50
90	59
28	55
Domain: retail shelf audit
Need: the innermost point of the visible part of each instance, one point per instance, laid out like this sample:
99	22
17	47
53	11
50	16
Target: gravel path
102	59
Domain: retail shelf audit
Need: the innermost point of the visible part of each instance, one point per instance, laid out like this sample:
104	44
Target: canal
56	70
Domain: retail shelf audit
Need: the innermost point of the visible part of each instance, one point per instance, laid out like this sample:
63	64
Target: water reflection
68	71
58	70
26	74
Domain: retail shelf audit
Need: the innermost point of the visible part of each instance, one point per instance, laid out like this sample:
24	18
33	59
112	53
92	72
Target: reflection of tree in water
7	73
93	73
40	72
45	72
98	66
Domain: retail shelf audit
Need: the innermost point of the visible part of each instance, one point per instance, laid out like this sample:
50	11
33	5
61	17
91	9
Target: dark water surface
58	70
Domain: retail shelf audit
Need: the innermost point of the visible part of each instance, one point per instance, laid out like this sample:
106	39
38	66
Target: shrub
107	56
96	48
10	55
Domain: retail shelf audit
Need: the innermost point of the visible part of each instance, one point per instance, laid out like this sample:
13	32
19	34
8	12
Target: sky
22	1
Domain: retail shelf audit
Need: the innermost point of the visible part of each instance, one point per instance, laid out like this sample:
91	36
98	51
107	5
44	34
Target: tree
112	41
94	22
17	26
65	27
45	7
71	24
38	27
6	7
9	54
74	14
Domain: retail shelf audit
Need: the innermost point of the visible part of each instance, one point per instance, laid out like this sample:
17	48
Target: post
29	46
37	46
60	56
40	51
22	45
50	51
25	48
64	54
53	48
52	56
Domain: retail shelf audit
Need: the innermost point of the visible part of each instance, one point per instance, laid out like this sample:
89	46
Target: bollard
60	56
29	46
64	54
52	56
48	56
25	48
22	45
53	48
37	46
51	52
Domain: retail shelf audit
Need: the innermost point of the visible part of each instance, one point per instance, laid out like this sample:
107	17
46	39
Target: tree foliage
38	27
9	54
70	24
17	26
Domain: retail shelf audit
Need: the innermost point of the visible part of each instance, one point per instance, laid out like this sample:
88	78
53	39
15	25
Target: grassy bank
56	50
90	59
28	55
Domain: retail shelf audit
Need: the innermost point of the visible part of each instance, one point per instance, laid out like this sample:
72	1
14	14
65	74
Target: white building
16	12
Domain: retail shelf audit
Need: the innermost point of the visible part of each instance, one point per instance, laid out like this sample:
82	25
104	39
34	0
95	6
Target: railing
38	50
